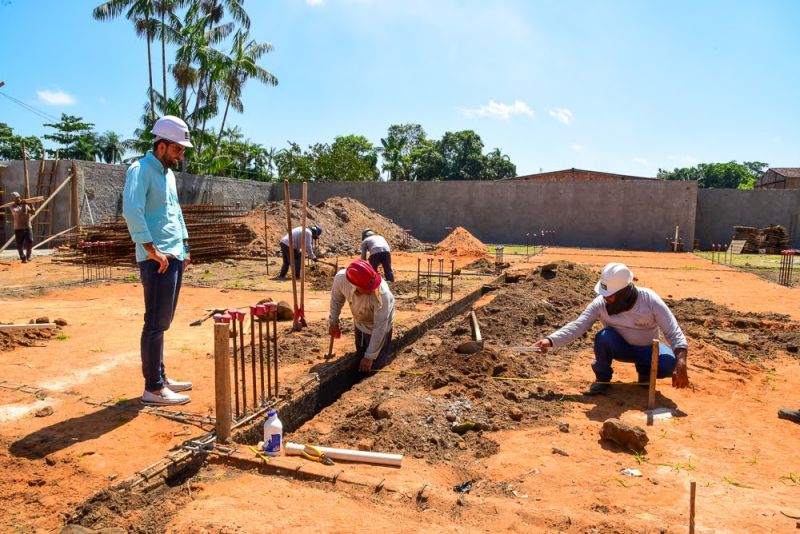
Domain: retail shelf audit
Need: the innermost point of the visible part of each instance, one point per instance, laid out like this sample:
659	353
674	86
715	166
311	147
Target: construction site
467	429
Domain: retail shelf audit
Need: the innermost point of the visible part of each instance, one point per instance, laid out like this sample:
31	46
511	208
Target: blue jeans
609	345
385	259
160	299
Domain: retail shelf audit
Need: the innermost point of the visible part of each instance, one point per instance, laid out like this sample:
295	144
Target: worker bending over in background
631	317
299	237
372	305
379	252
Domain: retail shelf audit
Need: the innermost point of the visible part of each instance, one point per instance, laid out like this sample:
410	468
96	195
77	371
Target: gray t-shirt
374	244
638	326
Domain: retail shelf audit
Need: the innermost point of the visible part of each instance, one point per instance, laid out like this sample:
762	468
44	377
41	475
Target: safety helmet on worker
366	233
613	277
15	195
363	276
316	230
172	129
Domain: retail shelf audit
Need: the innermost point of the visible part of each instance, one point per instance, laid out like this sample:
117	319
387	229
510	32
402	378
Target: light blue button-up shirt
151	208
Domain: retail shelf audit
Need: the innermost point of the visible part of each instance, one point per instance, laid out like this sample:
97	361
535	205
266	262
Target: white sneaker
165	397
176	385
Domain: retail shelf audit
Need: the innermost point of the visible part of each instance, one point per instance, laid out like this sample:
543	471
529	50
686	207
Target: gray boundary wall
619	214
719	210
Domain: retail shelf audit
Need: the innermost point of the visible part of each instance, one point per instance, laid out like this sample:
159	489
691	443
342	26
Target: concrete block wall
623	214
719	210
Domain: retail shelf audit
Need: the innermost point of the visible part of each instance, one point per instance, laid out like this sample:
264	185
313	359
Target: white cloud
576	147
562	115
641	161
56	98
315	2
499	110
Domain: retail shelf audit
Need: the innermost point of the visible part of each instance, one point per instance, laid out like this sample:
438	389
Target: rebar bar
441	277
452	276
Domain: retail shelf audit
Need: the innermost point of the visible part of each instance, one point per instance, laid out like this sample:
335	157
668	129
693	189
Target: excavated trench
436	404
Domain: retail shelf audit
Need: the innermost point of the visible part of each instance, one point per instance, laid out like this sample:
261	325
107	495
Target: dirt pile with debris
461	243
342	220
445	402
27	337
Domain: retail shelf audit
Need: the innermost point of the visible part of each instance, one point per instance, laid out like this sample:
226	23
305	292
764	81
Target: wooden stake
27	192
692	490
303	253
651	398
222	381
76	217
287	198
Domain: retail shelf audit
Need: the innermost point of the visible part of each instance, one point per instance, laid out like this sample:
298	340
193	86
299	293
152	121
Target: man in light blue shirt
155	221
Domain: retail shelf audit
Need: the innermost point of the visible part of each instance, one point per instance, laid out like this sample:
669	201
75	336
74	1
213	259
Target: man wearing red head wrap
372	305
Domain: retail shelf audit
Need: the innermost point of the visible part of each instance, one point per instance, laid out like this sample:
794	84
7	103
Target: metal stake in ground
692	492
651	397
441	277
272	314
419	268
235	366
295	323
262	314
452	276
222	379
238	317
266	241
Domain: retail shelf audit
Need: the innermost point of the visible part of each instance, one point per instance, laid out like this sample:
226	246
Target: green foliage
11	145
731	175
75	138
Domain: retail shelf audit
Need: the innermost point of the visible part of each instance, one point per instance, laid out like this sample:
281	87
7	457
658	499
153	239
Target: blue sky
615	86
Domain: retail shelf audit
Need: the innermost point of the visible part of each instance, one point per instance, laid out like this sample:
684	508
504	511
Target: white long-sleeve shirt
374	244
297	232
373	313
638	326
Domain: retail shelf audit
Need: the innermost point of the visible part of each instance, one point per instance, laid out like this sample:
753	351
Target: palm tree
140	12
164	8
86	147
240	66
392	152
112	147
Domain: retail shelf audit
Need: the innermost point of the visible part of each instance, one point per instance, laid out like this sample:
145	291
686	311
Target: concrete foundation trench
431	402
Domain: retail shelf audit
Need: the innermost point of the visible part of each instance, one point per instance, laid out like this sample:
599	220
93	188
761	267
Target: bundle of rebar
215	233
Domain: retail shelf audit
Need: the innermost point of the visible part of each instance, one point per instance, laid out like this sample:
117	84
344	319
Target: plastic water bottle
273	434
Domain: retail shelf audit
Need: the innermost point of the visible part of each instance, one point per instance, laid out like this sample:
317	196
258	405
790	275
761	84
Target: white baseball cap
615	276
172	129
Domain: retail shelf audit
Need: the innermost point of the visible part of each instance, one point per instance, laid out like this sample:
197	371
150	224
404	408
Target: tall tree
242	64
112	147
499	166
426	162
67	133
141	13
392	153
463	155
11	145
166	12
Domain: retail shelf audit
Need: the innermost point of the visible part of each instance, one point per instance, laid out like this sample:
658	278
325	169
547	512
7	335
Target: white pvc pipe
381	458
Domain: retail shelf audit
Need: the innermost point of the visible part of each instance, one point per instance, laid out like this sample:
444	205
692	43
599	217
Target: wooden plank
222	382
651	397
737	245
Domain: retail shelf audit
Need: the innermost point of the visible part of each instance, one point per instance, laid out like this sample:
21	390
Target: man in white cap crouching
155	221
631	317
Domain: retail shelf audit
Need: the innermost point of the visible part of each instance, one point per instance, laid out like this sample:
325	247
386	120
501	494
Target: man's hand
543	345
333	330
680	376
157	256
365	366
187	260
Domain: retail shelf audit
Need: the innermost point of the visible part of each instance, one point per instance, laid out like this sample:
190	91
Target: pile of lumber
751	237
775	238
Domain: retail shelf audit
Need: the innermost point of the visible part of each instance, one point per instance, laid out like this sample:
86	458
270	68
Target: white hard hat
615	276
172	129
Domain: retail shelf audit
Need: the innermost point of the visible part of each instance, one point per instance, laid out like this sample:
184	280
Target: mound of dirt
34	337
461	243
481	265
342	220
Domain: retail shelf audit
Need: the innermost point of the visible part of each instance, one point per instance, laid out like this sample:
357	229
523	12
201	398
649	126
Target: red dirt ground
728	438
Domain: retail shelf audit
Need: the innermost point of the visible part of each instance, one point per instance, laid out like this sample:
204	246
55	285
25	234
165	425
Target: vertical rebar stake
419	263
441	277
274	315
452	276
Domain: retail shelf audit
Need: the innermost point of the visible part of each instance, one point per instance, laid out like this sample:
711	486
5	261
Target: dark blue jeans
160	299
286	261
609	345
385	259
24	243
362	344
